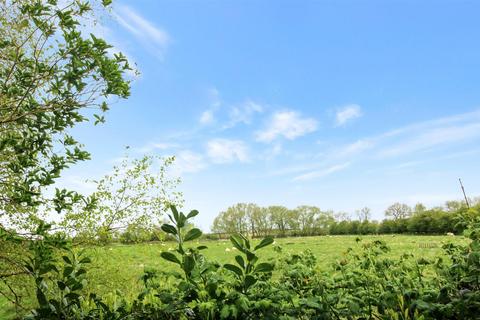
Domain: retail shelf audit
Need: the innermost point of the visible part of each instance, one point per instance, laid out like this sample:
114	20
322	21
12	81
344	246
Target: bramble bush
364	284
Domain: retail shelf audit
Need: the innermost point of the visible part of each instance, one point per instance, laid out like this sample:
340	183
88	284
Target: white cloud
433	137
417	137
243	113
271	152
321	173
346	114
228	115
151	36
412	141
214	96
206	117
188	161
355	148
225	150
156	146
287	124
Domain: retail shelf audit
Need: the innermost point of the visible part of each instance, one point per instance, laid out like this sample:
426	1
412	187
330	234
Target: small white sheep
450	234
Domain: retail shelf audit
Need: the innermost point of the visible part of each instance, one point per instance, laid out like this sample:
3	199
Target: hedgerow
364	284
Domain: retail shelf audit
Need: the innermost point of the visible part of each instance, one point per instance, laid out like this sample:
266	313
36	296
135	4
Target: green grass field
118	267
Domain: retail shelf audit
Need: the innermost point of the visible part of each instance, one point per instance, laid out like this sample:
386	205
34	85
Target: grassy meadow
120	266
117	268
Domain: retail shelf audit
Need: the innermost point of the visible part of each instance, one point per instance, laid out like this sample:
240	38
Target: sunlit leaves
169	229
265	242
192	234
50	73
170	257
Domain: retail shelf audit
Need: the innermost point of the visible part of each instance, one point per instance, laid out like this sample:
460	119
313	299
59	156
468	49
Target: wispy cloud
272	152
187	161
416	137
406	143
228	116
152	37
156	146
243	113
287	124
226	151
356	147
322	172
432	138
208	116
347	114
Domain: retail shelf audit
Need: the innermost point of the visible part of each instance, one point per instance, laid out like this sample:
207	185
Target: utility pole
464	195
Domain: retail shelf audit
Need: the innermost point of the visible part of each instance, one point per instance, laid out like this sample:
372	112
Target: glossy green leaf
234	268
175	212
250	281
264	267
265	242
240	261
168	228
188	263
193	234
170	257
237	242
192	214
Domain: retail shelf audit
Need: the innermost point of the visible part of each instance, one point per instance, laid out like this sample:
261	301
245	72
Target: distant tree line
256	221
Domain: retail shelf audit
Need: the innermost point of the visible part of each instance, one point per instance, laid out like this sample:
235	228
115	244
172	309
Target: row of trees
310	220
258	221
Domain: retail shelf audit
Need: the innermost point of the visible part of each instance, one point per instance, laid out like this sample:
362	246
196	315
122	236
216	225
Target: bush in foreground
364	284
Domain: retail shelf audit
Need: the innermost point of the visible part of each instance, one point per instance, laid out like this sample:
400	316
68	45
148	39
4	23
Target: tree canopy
52	77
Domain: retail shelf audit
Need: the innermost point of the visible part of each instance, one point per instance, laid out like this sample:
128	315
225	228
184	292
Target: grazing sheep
450	234
227	250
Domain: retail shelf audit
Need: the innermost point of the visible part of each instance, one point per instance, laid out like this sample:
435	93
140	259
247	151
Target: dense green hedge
435	221
364	284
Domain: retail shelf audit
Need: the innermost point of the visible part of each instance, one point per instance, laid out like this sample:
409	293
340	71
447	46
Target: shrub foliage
364	284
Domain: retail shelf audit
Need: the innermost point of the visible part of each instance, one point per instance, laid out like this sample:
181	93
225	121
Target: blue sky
338	104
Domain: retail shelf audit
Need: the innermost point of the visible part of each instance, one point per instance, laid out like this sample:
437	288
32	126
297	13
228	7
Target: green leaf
67	259
188	263
67	271
61	285
170	257
192	214
85	260
250	256
168	228
193	234
175	212
265	242
240	261
233	268
237	242
264	267
181	220
202	247
245	241
249	281
72	296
